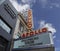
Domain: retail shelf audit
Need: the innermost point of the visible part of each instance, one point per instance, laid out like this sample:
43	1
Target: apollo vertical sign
30	20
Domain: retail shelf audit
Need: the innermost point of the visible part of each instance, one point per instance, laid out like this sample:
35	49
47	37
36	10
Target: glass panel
18	44
1	1
4	26
3	44
38	40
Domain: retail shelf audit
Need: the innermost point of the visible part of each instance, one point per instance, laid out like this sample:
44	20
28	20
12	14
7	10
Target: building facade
42	41
21	27
8	17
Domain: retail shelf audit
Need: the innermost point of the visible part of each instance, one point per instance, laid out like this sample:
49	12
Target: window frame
6	25
1	1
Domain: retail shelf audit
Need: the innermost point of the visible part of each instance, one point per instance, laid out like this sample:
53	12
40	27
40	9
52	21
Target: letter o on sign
44	30
29	25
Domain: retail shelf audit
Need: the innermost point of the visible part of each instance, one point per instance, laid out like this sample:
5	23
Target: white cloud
28	1
42	23
48	26
19	7
54	37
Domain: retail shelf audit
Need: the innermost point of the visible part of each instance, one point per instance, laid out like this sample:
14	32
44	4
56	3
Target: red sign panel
35	32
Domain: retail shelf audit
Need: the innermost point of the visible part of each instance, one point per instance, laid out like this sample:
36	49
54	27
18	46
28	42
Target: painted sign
35	32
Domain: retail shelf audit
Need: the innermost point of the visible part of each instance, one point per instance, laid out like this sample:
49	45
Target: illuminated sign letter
29	23
44	30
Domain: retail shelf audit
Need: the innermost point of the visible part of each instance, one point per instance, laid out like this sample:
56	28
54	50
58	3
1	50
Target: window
5	26
18	44
1	1
9	10
21	27
3	44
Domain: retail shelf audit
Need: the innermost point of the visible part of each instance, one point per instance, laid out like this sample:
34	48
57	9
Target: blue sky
50	15
46	10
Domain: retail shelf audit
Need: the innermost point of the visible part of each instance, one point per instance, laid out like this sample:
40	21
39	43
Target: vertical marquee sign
30	21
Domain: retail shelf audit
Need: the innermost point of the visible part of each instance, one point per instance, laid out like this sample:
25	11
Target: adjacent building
8	17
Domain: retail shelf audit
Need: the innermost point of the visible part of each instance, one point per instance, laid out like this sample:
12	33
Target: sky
46	13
